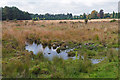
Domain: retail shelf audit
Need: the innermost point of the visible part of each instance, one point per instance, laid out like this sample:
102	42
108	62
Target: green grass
17	63
109	70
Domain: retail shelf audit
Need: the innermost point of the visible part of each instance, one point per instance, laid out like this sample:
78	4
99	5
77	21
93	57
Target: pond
50	52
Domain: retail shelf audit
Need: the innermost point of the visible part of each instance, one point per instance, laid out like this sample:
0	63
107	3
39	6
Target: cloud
62	6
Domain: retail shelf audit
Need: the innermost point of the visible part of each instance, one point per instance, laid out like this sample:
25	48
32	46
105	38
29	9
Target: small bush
79	22
113	20
86	21
62	22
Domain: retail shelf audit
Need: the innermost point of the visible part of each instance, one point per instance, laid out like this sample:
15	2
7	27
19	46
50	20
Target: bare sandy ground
81	20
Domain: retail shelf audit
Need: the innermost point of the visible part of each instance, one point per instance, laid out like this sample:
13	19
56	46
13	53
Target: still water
50	53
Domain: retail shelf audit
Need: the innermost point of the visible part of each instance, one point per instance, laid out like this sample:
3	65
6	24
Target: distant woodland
13	13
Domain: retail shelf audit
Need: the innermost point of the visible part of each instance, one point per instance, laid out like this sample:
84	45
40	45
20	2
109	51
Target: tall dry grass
54	30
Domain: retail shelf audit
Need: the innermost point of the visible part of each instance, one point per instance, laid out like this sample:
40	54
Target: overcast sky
76	7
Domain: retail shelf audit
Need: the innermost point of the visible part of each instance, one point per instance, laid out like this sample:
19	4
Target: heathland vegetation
92	46
95	40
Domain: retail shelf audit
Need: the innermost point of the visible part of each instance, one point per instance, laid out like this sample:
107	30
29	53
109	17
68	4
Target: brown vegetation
55	30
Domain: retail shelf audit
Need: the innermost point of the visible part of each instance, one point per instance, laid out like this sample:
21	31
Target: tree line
11	13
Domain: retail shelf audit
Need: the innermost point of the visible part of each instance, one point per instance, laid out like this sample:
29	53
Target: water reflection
96	61
50	53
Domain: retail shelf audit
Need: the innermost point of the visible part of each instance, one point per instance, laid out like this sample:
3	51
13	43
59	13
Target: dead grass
72	30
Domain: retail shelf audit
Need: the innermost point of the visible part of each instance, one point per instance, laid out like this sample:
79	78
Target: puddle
96	61
50	53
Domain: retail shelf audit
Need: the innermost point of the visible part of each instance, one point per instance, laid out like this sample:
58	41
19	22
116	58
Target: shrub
62	22
79	22
113	20
86	21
